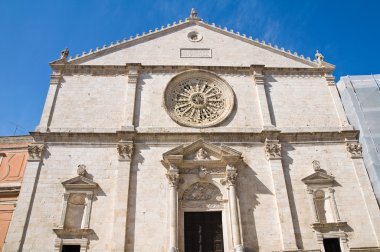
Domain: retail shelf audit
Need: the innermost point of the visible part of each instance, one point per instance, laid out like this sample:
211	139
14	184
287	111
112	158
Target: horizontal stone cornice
107	70
113	138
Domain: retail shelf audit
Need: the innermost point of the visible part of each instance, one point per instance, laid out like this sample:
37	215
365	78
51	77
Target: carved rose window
198	99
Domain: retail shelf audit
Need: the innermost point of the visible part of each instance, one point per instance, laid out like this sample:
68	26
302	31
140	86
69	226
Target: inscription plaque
195	53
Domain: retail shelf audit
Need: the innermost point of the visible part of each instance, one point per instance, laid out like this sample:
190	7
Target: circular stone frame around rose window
198	98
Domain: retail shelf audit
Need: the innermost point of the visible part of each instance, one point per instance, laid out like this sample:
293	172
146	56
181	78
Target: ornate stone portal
210	188
198	99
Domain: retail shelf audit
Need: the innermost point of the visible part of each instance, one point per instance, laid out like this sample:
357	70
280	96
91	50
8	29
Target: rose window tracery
200	100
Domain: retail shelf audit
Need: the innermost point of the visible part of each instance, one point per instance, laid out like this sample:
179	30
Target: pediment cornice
201	153
176	26
79	182
319	178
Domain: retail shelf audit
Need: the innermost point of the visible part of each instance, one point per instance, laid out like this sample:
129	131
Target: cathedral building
192	137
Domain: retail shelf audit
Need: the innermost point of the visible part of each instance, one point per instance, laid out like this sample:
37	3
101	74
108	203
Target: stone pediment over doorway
201	153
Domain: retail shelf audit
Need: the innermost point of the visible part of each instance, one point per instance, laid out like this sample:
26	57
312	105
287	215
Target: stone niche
74	228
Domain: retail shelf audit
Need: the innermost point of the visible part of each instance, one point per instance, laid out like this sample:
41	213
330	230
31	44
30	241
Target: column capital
36	151
231	176
354	149
55	78
258	77
330	79
125	150
133	72
272	149
173	176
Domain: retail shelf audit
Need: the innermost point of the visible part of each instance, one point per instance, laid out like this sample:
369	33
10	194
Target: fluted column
273	154
173	177
125	150
20	220
230	181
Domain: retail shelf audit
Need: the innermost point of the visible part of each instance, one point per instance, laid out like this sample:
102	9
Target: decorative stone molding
125	151
36	151
354	150
272	150
197	98
173	176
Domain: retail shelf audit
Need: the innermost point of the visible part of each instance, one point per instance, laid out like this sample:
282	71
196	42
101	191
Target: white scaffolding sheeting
361	100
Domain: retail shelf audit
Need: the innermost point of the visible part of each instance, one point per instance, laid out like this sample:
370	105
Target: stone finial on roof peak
65	53
319	58
193	14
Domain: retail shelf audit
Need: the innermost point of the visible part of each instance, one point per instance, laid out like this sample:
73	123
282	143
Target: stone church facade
192	137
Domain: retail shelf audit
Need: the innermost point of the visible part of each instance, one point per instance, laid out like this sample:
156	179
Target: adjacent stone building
192	137
13	157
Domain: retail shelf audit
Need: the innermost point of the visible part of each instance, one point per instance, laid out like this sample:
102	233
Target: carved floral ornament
354	149
35	151
198	99
125	150
272	150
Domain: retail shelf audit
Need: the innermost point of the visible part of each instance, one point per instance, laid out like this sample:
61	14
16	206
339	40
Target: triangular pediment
201	153
79	182
170	45
319	178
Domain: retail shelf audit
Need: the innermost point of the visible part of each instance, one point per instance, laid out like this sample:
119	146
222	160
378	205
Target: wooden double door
203	232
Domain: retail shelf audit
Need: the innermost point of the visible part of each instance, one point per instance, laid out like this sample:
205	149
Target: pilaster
125	151
130	97
273	154
259	80
337	102
20	220
51	98
354	151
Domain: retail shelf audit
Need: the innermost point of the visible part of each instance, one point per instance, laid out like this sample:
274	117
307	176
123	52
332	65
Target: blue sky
32	33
